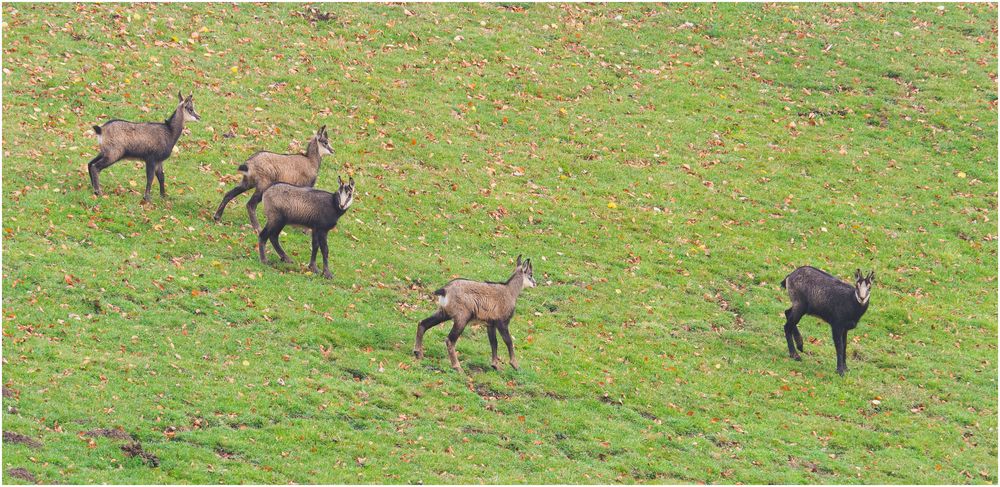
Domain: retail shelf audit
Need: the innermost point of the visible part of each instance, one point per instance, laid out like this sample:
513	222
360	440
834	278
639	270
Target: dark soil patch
356	374
606	399
224	453
486	392
116	434
7	393
12	437
21	473
135	450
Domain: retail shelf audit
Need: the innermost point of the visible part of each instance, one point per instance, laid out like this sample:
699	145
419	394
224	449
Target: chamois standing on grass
819	294
151	143
315	209
266	168
462	301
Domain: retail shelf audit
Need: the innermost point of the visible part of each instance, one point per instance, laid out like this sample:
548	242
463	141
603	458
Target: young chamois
151	143
318	210
462	301
819	294
266	168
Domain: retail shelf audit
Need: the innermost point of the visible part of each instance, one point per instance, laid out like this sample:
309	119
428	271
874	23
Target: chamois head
187	104
526	272
863	286
323	141
345	195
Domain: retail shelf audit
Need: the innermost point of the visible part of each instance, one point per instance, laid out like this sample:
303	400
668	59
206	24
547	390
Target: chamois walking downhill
149	142
266	168
315	209
493	303
836	302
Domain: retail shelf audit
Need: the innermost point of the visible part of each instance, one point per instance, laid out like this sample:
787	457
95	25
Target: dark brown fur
315	209
264	169
151	143
493	303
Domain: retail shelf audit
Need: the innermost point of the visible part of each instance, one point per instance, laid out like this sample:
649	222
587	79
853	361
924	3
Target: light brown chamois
462	301
149	142
266	168
315	209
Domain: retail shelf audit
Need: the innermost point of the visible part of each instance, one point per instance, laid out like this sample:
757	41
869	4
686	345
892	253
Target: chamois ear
190	97
321	131
527	266
518	260
180	97
871	276
340	181
857	274
351	181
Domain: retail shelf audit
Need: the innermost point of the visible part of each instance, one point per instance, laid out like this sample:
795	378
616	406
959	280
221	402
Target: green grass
663	177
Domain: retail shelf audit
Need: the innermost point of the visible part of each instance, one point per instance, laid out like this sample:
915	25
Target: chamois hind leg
150	173
504	327
792	335
843	347
238	190
492	329
262	244
456	331
430	322
252	208
94	169
160	177
277	247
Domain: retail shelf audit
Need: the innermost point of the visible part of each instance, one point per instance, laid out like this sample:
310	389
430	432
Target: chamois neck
176	123
515	283
312	151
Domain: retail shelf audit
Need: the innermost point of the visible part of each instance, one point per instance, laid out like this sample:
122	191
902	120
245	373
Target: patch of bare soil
21	473
115	434
134	449
12	437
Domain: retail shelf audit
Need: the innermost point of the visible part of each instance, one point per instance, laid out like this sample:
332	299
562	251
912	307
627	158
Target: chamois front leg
326	254
150	173
312	259
160	177
838	336
505	334
495	362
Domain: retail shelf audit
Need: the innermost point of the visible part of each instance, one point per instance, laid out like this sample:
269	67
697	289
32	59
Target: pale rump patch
99	139
443	300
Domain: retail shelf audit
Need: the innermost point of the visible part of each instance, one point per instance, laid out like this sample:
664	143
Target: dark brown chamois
266	168
315	209
149	142
492	303
814	292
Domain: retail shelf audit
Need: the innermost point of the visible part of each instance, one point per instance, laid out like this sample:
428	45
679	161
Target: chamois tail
783	283
243	169
97	129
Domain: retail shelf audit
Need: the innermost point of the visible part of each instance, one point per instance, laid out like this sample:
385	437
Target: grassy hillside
664	167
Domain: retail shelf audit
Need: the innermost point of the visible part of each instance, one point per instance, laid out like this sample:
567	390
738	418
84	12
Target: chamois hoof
418	354
514	365
496	366
286	259
314	269
796	357
327	275
841	372
458	368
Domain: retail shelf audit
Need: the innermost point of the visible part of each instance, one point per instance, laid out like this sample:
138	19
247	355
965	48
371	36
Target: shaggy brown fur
264	169
315	209
493	303
151	143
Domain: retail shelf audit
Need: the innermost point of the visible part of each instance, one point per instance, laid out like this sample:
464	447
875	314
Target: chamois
462	301
316	209
263	169
838	303
151	143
